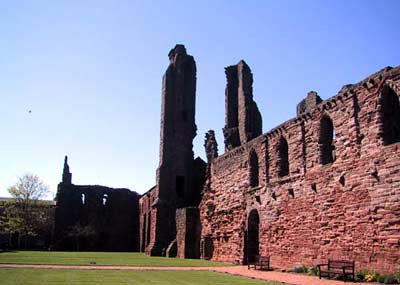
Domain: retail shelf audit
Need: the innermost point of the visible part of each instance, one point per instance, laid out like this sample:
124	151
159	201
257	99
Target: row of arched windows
390	119
326	152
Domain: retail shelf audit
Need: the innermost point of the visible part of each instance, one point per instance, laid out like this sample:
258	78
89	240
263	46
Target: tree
29	187
25	214
79	233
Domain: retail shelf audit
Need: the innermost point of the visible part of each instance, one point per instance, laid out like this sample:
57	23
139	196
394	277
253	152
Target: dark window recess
144	244
184	116
314	187
283	158
208	247
148	232
390	116
180	186
254	181
326	137
253	236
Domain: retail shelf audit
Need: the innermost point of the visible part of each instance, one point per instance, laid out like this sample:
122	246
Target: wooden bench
337	267
262	262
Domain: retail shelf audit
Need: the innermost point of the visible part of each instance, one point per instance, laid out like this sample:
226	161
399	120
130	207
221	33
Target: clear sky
90	72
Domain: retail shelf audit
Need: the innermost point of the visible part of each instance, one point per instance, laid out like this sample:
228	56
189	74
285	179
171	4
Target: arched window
105	198
326	137
143	241
148	231
390	116
283	158
253	162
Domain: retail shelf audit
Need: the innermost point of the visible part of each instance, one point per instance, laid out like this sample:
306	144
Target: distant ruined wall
100	218
325	184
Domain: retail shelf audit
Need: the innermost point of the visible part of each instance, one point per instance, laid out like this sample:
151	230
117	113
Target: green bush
360	275
313	271
381	278
391	279
397	275
300	269
388	279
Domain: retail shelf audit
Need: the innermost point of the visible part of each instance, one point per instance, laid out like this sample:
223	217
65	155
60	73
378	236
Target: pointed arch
326	140
253	169
252	242
389	113
283	157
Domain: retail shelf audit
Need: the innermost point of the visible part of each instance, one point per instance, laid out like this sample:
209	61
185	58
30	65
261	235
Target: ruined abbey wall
94	217
325	184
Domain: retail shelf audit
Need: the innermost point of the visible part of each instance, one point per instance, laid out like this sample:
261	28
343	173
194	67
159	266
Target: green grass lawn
109	277
101	258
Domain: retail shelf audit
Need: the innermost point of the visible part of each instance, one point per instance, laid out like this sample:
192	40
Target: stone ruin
95	218
323	185
180	177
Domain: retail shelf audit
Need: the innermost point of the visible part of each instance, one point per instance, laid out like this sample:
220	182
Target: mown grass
109	277
98	258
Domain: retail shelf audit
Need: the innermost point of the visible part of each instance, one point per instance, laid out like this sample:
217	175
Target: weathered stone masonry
180	177
327	186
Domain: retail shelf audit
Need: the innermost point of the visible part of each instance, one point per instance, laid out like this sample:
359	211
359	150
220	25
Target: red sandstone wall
347	209
147	220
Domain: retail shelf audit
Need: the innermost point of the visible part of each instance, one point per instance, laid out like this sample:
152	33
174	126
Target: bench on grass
337	267
262	262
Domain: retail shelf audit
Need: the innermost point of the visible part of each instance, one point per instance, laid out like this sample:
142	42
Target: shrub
300	269
388	279
391	279
381	278
313	271
397	275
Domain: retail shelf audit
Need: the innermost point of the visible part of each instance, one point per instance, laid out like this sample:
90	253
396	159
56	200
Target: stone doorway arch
252	236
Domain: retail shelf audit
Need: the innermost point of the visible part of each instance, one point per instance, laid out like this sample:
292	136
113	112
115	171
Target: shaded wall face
348	209
147	221
188	232
175	177
96	218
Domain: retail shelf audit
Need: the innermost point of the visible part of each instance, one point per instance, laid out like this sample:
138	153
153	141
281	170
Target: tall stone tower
178	129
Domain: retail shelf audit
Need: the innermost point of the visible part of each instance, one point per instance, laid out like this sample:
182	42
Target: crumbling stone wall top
109	217
338	193
309	103
243	120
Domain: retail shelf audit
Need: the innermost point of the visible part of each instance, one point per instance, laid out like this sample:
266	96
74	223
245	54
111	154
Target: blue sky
90	72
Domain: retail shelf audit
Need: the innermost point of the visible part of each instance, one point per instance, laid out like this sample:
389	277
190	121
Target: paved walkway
288	278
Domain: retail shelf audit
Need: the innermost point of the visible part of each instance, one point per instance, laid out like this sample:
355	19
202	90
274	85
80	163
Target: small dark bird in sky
30	111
